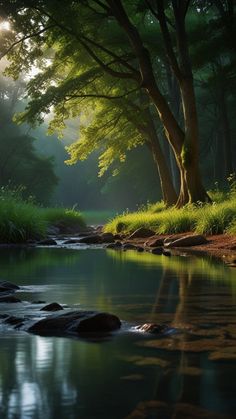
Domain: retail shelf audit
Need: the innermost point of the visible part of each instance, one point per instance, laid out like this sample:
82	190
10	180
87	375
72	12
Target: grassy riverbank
23	220
216	218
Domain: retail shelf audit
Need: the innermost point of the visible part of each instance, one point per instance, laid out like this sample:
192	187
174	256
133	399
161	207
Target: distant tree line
20	163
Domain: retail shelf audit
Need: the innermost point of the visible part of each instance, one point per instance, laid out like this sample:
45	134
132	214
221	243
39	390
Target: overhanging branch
99	96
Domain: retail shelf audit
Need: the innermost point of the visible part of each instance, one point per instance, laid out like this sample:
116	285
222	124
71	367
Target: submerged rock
117	245
157	250
140	249
8	286
129	246
14	321
9	299
76	322
52	307
101	322
166	252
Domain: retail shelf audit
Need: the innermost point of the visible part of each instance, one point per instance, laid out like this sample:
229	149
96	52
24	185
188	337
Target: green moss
186	154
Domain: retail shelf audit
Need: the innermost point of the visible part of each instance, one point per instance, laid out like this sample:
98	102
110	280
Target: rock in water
101	322
8	286
52	307
76	322
129	246
14	321
157	250
116	245
9	299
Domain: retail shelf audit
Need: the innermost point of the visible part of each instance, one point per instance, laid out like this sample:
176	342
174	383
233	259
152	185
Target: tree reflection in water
44	377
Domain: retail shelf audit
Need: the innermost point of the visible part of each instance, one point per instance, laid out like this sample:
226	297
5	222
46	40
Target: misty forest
117	209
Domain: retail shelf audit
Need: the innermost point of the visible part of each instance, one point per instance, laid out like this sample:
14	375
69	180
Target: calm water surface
186	374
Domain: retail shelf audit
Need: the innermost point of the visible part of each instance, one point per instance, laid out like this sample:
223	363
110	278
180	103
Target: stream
186	374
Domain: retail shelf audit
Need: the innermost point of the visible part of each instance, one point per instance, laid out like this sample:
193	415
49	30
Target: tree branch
24	38
114	73
153	11
112	54
105	67
99	96
167	39
102	5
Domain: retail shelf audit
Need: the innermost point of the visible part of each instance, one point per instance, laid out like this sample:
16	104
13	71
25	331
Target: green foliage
74	85
231	228
108	130
208	219
77	60
216	219
63	217
217	195
20	164
157	207
19	220
22	220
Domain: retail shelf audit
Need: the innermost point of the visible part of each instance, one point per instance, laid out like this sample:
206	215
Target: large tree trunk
168	190
180	142
190	149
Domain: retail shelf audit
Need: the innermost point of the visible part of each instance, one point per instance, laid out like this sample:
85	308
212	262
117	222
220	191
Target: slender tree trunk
175	100
168	191
226	132
149	133
190	150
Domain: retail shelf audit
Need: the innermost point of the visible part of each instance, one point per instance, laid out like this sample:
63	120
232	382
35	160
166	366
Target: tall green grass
209	219
63	218
22	220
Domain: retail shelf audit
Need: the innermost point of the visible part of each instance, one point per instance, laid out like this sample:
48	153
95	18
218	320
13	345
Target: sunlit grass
207	219
231	229
216	219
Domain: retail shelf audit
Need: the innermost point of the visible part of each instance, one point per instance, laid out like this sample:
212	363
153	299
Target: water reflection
186	372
